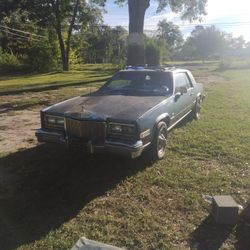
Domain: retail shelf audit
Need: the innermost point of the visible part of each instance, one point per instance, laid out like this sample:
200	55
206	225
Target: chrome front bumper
133	150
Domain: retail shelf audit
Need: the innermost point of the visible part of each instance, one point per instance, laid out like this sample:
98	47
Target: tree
152	52
170	34
205	42
57	11
190	10
19	37
65	16
101	44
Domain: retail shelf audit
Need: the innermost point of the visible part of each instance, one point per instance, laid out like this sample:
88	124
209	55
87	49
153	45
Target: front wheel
159	143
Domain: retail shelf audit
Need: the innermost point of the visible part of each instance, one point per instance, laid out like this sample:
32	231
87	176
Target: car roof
153	69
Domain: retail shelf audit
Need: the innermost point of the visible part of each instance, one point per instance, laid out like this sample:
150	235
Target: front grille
86	130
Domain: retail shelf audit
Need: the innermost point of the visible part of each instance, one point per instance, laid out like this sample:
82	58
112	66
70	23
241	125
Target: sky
227	15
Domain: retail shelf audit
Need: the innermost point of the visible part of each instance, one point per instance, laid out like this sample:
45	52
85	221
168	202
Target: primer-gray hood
121	107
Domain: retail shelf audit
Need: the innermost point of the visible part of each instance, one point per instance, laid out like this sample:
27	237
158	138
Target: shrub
152	54
40	57
9	62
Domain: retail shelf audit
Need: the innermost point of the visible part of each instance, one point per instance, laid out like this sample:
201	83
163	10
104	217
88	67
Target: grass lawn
24	91
59	196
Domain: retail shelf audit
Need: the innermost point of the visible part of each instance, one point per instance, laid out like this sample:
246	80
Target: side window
180	82
191	77
189	82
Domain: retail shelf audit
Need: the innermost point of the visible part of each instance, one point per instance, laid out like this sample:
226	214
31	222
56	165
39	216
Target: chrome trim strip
169	128
42	132
144	146
136	145
134	150
45	136
145	133
123	124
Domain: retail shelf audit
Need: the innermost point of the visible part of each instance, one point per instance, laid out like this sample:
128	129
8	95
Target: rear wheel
196	110
159	143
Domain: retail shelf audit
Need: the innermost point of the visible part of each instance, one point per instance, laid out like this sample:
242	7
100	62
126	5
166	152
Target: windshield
139	82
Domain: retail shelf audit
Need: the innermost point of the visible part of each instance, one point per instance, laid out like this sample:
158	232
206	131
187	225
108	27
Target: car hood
120	107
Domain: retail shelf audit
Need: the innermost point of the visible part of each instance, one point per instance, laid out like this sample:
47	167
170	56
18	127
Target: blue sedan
132	112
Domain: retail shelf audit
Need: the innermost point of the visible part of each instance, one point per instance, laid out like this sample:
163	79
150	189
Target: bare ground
17	130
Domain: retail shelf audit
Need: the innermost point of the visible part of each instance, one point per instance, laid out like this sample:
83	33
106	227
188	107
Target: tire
196	110
159	142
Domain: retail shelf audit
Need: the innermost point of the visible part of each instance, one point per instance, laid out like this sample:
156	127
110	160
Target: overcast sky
230	16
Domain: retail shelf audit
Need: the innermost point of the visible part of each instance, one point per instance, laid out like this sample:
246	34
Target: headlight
124	129
51	120
54	121
115	128
60	121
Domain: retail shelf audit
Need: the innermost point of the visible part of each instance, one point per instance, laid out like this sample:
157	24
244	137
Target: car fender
163	117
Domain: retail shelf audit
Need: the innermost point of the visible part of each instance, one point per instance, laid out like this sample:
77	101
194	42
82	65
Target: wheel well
165	119
198	96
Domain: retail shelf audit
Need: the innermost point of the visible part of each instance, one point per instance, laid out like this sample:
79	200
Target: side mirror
177	96
183	89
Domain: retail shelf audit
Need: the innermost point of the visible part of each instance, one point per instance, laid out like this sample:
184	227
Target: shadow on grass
45	186
243	229
211	236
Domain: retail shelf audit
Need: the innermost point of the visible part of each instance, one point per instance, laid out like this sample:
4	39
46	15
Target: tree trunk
58	27
70	31
136	53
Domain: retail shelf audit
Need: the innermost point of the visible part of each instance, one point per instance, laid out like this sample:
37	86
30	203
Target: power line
210	24
17	35
228	24
177	16
21	31
18	38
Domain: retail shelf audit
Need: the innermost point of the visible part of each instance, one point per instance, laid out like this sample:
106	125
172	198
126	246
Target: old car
131	112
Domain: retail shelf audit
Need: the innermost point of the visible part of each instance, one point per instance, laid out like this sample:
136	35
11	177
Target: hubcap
198	108
162	141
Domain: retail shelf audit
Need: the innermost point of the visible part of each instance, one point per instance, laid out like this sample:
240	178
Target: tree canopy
205	42
189	10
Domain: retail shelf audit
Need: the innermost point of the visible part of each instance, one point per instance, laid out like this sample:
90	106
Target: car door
182	96
190	92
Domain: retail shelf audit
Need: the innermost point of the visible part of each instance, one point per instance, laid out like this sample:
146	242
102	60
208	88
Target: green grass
24	91
61	196
38	82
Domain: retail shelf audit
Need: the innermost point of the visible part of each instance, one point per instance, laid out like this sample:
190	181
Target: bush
9	62
40	57
152	54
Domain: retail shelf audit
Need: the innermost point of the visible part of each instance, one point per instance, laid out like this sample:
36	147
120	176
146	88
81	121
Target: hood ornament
83	109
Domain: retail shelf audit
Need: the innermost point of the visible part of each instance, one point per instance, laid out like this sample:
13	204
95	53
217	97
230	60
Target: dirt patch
17	130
